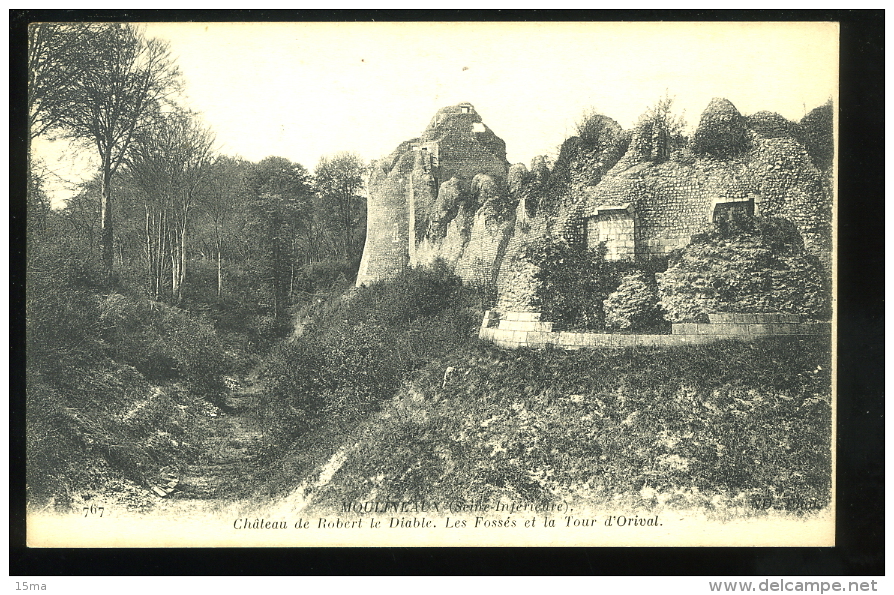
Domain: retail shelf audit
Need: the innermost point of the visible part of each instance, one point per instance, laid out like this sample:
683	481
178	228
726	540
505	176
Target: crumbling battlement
668	203
434	195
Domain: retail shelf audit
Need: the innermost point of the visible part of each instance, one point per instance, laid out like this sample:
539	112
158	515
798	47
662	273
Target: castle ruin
451	194
427	184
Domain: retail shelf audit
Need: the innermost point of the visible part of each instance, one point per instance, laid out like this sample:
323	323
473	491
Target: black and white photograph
530	283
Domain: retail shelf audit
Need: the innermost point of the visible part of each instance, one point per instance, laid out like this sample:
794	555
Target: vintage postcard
431	284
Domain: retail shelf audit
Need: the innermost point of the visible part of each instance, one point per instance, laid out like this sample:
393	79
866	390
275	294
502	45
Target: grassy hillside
724	426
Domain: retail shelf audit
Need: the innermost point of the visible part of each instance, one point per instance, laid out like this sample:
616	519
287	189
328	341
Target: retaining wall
525	329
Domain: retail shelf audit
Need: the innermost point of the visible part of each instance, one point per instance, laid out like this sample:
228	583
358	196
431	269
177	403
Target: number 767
93	509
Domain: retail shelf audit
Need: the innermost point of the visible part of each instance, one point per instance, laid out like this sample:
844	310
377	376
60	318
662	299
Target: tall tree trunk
219	271
175	277
276	280
159	254
182	280
278	285
174	243
149	272
346	223
107	242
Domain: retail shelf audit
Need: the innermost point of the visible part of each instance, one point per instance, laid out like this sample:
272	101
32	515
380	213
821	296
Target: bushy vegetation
361	346
163	343
327	275
747	266
172	266
717	427
583	159
597	130
125	371
572	282
634	304
658	131
93	418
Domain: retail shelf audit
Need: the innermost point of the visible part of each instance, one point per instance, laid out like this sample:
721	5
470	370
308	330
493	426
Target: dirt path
228	461
221	480
230	449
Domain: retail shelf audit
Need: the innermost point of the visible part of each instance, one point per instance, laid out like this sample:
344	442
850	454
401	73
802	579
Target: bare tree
125	76
170	160
220	201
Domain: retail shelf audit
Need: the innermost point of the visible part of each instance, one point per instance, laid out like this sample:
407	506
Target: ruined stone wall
466	146
450	194
674	201
525	329
516	283
442	195
787	184
483	253
669	204
615	227
386	251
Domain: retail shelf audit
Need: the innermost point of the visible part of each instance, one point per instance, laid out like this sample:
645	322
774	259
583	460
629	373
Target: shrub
658	132
360	348
89	417
162	342
721	131
556	184
328	274
597	131
758	266
572	281
416	293
61	323
634	305
92	416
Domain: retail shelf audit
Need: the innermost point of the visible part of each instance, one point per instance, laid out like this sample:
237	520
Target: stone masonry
450	194
433	194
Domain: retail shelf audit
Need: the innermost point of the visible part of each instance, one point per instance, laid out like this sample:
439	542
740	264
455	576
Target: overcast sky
304	90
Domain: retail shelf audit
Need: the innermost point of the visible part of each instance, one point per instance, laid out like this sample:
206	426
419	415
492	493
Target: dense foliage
170	268
598	131
93	418
750	266
361	346
338	181
658	131
634	304
572	282
163	343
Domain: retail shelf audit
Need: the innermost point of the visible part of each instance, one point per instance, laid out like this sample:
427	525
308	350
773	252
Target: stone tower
404	187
